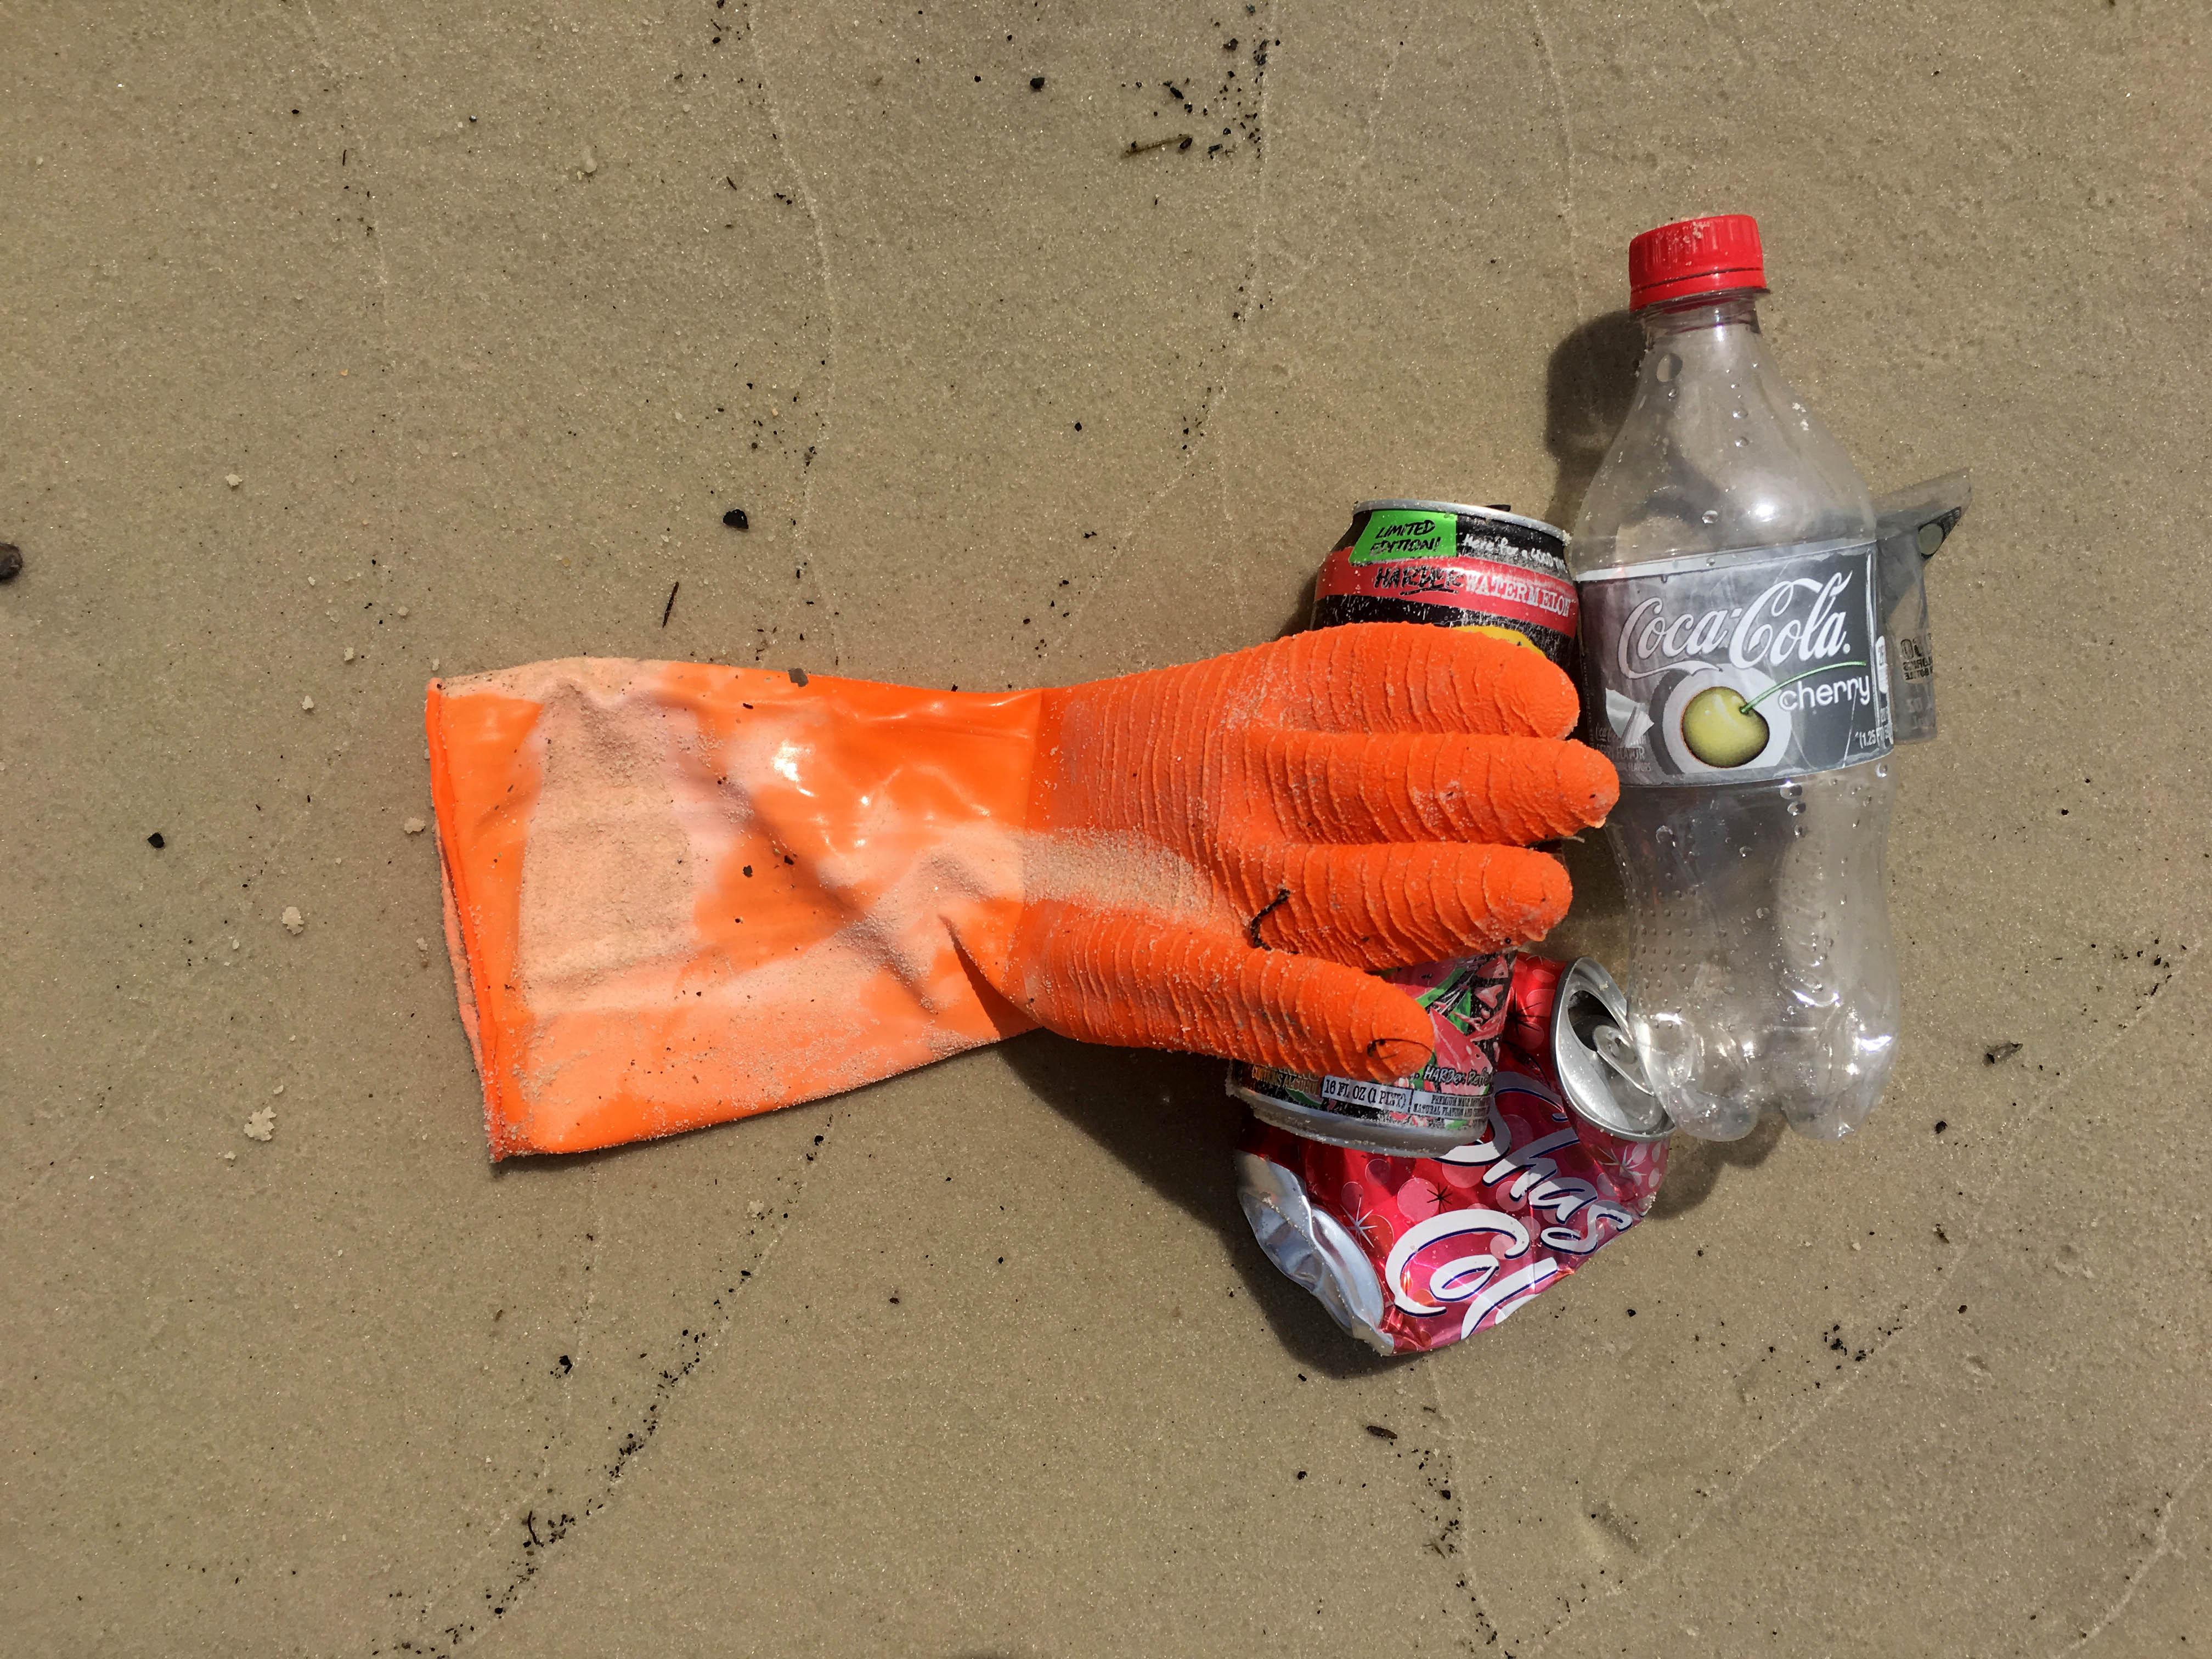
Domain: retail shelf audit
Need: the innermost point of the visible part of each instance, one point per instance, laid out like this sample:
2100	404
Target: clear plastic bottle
1736	673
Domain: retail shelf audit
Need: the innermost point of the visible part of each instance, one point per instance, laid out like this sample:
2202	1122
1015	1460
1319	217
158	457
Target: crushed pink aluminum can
1410	1253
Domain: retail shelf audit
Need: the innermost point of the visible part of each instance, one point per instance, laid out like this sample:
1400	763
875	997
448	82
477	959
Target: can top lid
1594	1076
1412	504
1709	255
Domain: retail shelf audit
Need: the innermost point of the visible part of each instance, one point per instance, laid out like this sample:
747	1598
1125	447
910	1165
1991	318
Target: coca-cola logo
1460	1257
1797	620
1460	1274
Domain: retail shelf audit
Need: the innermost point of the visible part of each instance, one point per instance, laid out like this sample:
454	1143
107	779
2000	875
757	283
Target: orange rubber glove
680	893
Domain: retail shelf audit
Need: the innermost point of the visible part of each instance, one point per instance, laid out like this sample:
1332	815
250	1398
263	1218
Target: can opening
1600	1074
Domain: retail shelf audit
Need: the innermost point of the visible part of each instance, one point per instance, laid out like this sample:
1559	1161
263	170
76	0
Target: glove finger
1334	788
1392	905
1124	977
1410	676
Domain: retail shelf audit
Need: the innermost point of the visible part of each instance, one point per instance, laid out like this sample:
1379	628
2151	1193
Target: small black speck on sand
1037	84
1382	1433
1999	1052
735	518
11	562
156	841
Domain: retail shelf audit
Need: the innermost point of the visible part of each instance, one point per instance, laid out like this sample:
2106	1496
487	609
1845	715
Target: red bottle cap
1691	257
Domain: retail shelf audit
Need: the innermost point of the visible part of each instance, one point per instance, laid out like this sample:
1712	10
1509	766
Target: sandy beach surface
342	344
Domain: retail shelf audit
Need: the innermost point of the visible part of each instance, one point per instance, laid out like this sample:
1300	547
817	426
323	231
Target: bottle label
1736	667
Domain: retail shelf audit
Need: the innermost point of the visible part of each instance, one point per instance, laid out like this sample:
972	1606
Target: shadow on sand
1168	1118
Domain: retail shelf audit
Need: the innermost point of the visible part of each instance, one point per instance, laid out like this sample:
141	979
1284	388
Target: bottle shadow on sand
1693	1167
1588	383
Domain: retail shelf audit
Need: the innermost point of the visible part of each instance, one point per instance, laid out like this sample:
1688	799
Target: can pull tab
1614	1049
1600	1073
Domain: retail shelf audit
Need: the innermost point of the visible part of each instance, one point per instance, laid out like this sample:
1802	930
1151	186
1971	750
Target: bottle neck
1718	453
1732	311
1713	339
